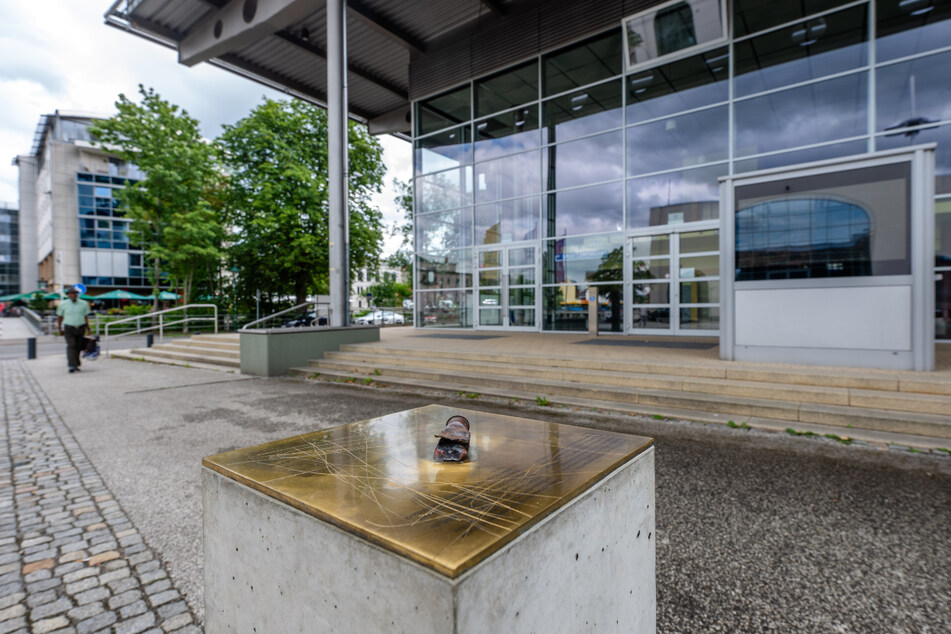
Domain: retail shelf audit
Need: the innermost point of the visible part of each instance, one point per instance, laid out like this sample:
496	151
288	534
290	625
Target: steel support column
337	163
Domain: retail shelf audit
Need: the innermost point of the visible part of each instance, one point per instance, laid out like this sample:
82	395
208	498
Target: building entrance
506	287
674	286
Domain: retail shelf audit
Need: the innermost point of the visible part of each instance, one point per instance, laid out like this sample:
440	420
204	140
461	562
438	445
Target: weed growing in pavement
541	400
947	451
368	381
377	373
807	434
469	394
742	425
845	440
659	417
313	375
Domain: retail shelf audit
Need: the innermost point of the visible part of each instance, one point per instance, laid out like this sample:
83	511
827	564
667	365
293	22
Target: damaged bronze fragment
453	440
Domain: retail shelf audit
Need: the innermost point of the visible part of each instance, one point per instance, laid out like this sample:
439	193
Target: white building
71	226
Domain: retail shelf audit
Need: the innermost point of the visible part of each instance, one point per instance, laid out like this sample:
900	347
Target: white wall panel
855	318
87	263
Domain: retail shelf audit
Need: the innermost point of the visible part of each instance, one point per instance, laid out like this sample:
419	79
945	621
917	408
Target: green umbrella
15	296
164	295
119	294
52	296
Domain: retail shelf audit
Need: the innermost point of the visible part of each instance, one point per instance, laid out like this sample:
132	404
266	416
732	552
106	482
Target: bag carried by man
91	348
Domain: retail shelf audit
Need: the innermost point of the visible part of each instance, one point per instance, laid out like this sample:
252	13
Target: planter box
274	351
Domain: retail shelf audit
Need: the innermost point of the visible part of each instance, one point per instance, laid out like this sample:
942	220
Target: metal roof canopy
396	51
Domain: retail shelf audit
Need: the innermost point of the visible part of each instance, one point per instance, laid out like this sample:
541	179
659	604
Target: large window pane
444	230
913	93
796	157
442	111
842	224
504	90
690	83
682	141
650	246
586	259
750	16
589	160
815	48
942	233
671	29
583	112
700	292
581	64
940	135
450	269
445	150
509	177
586	210
444	309
699	241
444	190
699	318
824	111
566	307
508	221
674	198
506	133
907	27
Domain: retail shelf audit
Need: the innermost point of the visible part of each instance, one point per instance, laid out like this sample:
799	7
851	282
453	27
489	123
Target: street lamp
234	297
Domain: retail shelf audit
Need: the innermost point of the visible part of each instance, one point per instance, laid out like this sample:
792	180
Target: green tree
277	205
390	293
402	258
171	220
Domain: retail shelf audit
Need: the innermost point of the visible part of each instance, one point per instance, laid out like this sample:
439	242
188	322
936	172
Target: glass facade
588	152
9	250
102	222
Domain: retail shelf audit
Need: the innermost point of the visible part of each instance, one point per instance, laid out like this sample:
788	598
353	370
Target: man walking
72	319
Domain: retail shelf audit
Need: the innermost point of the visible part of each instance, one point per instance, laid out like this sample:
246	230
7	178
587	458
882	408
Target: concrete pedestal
549	528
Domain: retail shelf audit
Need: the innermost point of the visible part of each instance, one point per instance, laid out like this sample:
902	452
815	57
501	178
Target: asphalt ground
756	531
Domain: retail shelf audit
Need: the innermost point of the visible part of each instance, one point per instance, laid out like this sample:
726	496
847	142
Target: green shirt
73	313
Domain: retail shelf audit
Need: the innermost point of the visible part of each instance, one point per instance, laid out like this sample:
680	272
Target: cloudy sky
58	54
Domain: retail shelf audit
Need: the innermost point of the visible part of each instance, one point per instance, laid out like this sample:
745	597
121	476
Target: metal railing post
161	326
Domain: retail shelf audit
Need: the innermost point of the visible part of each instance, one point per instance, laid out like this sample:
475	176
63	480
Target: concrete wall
272	352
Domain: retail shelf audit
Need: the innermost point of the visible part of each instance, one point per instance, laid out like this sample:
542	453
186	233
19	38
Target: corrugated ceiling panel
427	19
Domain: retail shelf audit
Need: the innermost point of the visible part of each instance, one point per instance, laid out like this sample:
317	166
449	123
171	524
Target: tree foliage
277	202
172	220
402	258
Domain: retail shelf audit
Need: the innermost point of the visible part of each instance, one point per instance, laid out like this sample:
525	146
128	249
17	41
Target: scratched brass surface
377	479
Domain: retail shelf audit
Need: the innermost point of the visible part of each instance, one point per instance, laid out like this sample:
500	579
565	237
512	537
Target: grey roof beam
382	25
238	24
317	51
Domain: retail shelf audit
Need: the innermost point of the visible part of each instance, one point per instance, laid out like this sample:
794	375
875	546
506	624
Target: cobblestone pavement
70	559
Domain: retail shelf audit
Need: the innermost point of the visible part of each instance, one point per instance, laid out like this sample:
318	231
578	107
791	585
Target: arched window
807	237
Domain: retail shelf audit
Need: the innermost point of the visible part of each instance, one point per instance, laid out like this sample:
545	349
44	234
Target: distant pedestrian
72	320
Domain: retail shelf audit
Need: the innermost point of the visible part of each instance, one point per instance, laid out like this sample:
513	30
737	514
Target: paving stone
96	594
126	598
48	625
82	585
136	625
70	559
51	609
96	623
177	621
83	612
133	609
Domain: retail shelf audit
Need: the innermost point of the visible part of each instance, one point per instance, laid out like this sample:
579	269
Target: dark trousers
75	341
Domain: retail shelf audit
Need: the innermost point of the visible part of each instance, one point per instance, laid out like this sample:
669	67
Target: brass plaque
377	479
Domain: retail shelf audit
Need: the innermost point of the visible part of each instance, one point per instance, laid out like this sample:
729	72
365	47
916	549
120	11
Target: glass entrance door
506	287
675	283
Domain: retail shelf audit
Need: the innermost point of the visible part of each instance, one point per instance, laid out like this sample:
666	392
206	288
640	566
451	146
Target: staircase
850	403
210	352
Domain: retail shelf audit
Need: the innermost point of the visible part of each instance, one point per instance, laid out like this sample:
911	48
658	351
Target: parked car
304	321
380	317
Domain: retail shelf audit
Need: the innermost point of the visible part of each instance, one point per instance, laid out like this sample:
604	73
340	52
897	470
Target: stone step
918	430
199	348
156	353
229	337
597	378
226	346
142	354
911	382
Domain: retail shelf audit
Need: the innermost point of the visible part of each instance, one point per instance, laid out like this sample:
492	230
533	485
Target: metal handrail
34	320
162	324
316	306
